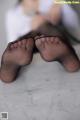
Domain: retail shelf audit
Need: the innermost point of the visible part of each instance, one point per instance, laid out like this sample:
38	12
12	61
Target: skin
30	5
53	49
22	49
15	56
53	15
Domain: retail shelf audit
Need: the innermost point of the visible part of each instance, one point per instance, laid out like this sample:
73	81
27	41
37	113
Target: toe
19	43
23	42
42	40
52	39
47	39
30	44
12	46
15	45
57	40
40	44
37	37
41	36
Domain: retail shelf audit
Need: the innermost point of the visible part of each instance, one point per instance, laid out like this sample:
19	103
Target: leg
53	48
15	56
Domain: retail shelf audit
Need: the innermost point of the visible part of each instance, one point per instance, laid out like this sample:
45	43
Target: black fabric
49	30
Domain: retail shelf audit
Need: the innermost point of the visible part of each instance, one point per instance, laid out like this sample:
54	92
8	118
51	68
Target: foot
16	55
52	48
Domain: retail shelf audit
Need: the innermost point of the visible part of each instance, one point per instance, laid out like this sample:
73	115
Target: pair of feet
20	53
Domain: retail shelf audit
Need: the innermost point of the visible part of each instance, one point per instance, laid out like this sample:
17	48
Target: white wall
4	6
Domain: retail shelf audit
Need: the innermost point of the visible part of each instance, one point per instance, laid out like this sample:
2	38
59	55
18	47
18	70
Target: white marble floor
44	91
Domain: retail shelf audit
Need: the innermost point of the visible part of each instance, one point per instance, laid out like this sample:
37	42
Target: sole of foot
52	48
16	55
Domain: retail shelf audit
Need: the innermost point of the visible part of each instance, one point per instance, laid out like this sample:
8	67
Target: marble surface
43	91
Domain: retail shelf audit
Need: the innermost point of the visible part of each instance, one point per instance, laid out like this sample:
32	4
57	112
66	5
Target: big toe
40	44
